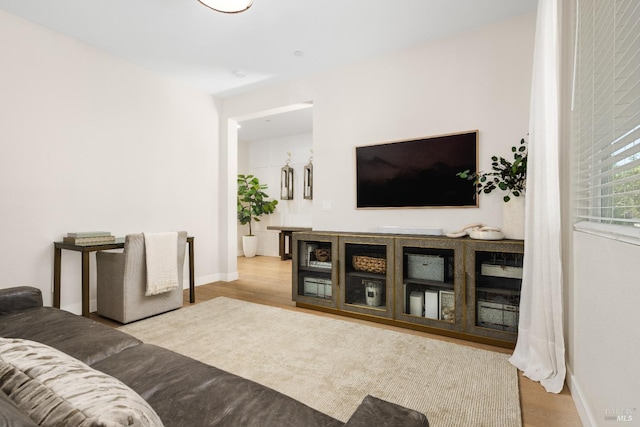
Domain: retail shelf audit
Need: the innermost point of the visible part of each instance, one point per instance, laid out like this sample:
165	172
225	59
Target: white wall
479	80
605	318
264	159
601	291
92	142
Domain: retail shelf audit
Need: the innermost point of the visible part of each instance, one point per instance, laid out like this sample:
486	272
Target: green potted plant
252	204
509	176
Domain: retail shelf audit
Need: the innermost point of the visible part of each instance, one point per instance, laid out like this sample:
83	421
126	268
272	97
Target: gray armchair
122	280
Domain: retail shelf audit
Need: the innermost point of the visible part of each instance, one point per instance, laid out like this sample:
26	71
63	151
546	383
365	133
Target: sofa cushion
55	389
19	298
84	339
385	414
186	392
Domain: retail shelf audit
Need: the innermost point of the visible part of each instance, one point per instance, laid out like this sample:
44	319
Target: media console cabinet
462	288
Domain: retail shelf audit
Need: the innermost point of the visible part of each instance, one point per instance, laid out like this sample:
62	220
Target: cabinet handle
467	289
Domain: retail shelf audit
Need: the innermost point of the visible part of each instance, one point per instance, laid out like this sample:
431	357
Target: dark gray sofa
181	390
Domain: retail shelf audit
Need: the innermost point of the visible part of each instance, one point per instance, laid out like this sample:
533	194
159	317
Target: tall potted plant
252	204
509	176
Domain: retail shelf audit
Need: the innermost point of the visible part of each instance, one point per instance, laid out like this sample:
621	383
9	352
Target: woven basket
323	255
370	264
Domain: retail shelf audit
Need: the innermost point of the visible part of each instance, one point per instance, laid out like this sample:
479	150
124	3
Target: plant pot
250	246
513	218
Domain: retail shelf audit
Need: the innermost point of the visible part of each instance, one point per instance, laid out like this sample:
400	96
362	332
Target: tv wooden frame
411	148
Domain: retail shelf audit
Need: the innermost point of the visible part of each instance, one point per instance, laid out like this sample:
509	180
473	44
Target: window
606	116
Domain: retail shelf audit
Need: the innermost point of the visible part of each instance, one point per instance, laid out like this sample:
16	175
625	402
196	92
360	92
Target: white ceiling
296	120
226	54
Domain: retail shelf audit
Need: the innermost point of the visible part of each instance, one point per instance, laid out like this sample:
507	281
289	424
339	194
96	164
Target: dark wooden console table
85	250
285	239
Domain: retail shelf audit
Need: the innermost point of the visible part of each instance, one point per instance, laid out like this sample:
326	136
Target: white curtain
539	351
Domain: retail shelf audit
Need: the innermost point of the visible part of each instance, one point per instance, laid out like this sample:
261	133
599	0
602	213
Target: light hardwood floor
267	280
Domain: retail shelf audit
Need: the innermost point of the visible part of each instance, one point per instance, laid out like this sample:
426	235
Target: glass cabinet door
315	272
494	292
366	276
429	280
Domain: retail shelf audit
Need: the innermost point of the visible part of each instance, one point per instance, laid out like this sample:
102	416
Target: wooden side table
285	239
86	250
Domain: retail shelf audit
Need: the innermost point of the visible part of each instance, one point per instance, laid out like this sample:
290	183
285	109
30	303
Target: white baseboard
203	280
77	308
586	415
229	277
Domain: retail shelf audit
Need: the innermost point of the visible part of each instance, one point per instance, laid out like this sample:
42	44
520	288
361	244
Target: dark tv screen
417	173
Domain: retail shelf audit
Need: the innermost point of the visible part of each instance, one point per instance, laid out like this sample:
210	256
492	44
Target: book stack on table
89	238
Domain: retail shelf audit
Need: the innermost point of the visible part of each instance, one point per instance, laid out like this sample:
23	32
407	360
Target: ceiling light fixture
227	6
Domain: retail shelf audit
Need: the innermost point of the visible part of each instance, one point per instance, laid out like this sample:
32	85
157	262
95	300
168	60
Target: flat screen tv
417	173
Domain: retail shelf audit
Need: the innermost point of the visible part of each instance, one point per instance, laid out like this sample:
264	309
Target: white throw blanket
162	262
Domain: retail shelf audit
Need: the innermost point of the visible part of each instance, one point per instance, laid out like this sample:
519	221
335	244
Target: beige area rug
331	365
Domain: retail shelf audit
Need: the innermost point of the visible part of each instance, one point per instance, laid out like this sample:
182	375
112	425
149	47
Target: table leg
85	284
57	257
286	249
281	249
192	279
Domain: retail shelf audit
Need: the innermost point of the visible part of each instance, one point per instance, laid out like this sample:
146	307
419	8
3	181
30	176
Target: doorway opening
267	142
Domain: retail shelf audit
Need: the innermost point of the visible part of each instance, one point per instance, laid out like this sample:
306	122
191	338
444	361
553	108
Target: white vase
250	246
513	218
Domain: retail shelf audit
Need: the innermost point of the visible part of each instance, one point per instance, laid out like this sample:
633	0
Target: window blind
605	121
